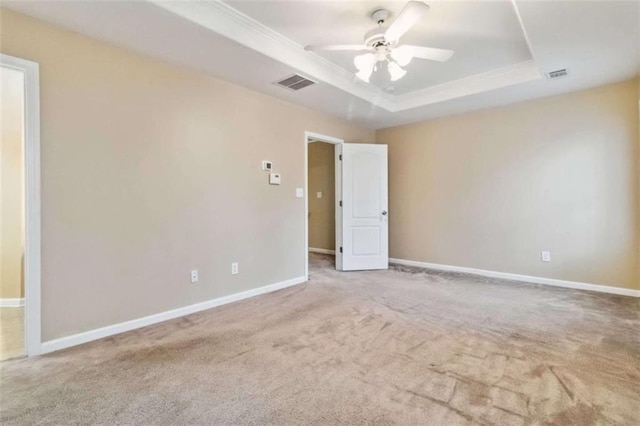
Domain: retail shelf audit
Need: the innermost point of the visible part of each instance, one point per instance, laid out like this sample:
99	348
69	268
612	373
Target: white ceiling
484	35
597	40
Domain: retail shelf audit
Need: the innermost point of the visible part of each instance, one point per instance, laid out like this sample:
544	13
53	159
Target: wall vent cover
552	75
295	82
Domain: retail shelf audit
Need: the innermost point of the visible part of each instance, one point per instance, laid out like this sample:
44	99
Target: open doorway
360	201
323	189
20	327
12	217
322	213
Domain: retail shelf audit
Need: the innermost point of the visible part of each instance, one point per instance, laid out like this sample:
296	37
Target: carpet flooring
403	346
11	333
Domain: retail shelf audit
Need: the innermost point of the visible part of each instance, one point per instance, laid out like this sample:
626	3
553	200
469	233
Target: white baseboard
12	303
321	250
521	278
99	333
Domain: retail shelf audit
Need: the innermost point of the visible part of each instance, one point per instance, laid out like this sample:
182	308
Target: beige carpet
399	346
11	333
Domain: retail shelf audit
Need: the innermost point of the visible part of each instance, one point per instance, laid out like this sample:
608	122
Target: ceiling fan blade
410	15
338	47
430	53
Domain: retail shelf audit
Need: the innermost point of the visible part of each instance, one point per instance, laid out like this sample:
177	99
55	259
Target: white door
365	225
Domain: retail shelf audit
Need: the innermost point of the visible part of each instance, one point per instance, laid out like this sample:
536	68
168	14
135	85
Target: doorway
360	202
321	217
12	223
323	187
20	208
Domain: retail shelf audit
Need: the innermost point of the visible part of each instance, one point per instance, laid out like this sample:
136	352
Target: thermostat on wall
274	178
267	165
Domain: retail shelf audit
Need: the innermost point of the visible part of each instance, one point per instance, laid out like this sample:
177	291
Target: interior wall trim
509	75
310	137
521	278
14	302
111	330
32	231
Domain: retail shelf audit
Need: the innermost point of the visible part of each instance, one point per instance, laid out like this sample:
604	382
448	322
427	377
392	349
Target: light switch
274	178
319	194
299	192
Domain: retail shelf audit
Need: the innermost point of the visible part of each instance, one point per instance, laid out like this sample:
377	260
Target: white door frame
310	137
31	138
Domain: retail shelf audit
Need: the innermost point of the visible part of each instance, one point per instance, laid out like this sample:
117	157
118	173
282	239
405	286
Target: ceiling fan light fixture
364	75
395	71
365	62
365	65
381	44
402	56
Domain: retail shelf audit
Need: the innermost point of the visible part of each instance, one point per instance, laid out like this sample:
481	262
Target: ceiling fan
382	44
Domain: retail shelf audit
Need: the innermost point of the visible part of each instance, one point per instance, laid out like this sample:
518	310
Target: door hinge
340	203
340	157
340	249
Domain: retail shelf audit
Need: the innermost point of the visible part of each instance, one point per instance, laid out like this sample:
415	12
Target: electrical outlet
319	194
194	276
545	256
234	268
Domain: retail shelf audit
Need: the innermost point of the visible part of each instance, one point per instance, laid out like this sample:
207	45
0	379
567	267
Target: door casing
31	140
310	137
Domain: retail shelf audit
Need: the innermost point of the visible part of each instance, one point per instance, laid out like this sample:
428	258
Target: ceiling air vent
295	82
552	75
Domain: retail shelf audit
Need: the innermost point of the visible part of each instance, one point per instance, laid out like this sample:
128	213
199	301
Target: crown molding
494	79
525	34
229	22
223	19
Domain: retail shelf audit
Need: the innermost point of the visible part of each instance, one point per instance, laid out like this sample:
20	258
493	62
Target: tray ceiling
503	48
485	35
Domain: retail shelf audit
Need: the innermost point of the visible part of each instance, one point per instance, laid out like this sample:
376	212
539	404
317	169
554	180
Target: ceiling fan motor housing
380	46
375	39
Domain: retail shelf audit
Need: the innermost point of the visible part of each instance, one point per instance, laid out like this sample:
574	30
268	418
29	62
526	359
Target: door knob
384	212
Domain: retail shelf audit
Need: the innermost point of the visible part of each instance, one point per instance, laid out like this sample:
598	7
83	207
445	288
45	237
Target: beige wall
150	170
322	213
491	189
11	184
